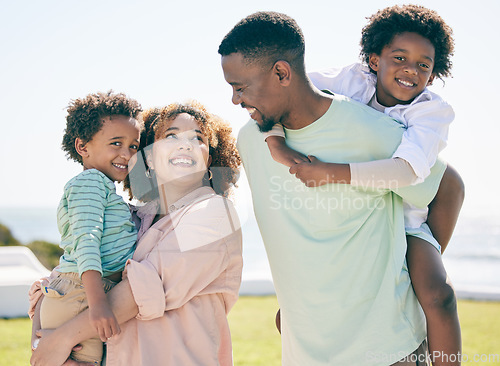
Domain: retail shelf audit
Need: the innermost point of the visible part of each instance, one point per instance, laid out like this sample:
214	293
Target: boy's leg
437	298
445	207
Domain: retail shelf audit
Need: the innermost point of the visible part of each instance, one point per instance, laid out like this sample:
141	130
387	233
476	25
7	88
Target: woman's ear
209	162
149	159
81	148
284	72
373	61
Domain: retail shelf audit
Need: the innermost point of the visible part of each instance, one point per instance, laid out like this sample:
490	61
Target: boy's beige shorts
64	298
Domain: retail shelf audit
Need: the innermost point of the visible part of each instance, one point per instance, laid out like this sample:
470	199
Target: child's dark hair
266	37
395	20
85	117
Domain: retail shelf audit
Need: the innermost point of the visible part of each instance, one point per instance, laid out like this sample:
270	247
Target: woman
186	271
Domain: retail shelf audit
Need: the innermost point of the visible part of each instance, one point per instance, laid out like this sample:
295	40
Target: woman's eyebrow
177	128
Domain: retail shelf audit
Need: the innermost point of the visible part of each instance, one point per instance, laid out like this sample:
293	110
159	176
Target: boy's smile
404	68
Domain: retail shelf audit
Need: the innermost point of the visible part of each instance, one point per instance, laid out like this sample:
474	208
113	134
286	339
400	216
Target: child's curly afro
85	117
394	20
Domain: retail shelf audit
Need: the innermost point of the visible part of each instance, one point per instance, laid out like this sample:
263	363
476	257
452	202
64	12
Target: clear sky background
159	52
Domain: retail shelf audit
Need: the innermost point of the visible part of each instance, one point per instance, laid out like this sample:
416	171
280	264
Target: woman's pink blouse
185	277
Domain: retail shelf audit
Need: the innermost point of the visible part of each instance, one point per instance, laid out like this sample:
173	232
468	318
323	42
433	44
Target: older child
405	48
97	233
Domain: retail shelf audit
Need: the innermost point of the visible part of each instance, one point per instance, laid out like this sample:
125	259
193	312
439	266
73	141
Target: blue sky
160	52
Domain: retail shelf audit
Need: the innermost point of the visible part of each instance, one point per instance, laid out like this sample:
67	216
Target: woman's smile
182	161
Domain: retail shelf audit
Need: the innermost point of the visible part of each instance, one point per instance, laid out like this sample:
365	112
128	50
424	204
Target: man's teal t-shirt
337	252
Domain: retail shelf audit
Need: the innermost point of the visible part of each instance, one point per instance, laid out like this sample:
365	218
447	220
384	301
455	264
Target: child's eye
171	136
425	66
116	143
399	58
134	147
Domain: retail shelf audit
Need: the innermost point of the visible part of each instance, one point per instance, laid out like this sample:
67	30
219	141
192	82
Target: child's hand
104	321
313	174
317	173
282	154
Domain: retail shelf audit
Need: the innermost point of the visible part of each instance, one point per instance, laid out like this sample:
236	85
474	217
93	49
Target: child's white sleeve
426	135
277	130
354	81
387	173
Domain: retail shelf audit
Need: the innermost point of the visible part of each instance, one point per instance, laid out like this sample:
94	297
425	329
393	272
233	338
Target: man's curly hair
266	37
85	117
395	20
222	145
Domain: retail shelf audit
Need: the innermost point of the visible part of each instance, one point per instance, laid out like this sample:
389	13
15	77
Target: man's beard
266	125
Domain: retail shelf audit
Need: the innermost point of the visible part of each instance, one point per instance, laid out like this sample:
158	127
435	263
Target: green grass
255	338
480	322
256	341
15	347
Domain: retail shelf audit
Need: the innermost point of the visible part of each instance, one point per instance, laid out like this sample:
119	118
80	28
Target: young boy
405	48
97	234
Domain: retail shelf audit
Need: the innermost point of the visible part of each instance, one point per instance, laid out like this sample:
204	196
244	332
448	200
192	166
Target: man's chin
266	126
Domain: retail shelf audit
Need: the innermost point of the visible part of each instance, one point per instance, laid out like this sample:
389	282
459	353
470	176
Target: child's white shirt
426	118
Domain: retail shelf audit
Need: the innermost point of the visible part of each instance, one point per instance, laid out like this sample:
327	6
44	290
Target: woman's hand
70	362
51	349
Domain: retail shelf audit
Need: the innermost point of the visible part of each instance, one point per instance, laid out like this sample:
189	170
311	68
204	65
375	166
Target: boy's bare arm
100	314
282	154
445	207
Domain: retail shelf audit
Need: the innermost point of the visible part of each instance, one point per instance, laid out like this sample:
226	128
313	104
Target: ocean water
472	258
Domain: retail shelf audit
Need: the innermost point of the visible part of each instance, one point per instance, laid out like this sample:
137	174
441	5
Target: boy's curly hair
222	145
394	20
85	117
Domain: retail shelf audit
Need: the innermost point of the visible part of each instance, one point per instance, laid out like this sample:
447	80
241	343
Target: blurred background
160	52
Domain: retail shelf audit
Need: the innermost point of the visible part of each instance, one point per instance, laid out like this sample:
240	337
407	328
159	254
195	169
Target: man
337	252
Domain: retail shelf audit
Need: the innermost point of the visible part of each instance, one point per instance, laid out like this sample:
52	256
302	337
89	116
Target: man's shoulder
249	134
364	112
248	128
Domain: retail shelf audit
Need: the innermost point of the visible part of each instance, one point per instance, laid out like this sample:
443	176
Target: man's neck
307	106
